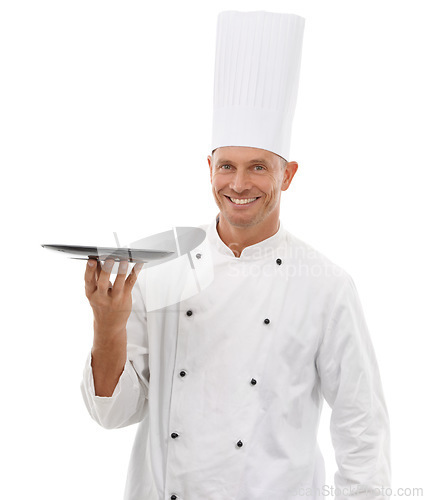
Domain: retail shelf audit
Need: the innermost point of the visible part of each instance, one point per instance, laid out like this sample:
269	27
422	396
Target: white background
106	112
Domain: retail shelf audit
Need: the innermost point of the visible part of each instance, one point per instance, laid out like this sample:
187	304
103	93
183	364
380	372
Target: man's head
247	184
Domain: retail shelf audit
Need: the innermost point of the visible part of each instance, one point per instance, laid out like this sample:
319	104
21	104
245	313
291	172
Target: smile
241	201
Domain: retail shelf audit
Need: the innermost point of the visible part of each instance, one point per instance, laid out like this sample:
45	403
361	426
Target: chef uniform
228	384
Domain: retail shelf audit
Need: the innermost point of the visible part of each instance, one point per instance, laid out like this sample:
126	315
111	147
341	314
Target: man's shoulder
305	260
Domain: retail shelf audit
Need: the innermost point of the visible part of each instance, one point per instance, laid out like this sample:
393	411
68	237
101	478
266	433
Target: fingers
132	277
90	277
98	269
103	281
120	277
97	277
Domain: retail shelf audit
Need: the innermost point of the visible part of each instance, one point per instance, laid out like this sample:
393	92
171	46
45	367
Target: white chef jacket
227	386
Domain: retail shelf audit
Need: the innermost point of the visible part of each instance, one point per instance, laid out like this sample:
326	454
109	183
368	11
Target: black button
198	255
253	381
189	313
279	262
174	497
183	373
239	444
266	321
174	435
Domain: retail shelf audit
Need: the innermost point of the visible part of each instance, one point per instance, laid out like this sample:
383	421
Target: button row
189	313
183	373
174	435
278	261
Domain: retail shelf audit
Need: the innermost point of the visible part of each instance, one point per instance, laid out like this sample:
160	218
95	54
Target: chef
227	385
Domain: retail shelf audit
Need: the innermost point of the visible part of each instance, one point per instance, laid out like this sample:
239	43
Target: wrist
109	338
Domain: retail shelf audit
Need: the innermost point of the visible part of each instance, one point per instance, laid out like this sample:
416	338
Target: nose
240	181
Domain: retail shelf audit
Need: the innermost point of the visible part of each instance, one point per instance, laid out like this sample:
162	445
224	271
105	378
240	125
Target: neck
238	238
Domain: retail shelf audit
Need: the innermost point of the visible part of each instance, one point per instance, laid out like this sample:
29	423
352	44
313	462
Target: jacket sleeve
350	382
128	403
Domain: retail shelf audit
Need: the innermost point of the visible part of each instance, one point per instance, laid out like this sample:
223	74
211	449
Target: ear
290	170
210	166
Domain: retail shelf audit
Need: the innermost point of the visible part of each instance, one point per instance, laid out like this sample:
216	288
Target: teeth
239	201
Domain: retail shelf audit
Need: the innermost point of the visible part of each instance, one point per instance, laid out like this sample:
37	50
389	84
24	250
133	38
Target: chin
240	221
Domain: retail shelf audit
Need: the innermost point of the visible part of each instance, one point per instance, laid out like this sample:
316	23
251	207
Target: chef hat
257	66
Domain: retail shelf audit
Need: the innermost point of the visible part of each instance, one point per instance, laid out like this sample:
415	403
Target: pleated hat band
257	66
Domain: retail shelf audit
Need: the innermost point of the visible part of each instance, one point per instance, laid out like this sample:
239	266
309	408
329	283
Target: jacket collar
271	247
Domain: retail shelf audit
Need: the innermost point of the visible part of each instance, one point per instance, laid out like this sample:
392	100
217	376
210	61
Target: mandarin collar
270	247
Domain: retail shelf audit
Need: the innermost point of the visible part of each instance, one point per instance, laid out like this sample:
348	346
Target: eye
225	167
259	167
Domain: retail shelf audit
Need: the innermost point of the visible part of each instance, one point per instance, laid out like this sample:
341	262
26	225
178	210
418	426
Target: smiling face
247	184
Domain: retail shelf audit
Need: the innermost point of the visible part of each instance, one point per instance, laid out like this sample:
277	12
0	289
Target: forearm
127	402
108	357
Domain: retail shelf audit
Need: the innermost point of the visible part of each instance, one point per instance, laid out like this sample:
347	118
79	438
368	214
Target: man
228	384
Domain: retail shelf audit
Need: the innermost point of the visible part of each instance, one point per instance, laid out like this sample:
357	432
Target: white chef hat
257	65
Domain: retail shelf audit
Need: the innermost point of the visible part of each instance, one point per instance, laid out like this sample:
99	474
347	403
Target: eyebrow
256	160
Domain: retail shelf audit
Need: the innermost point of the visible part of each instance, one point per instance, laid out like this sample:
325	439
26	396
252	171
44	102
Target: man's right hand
111	304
